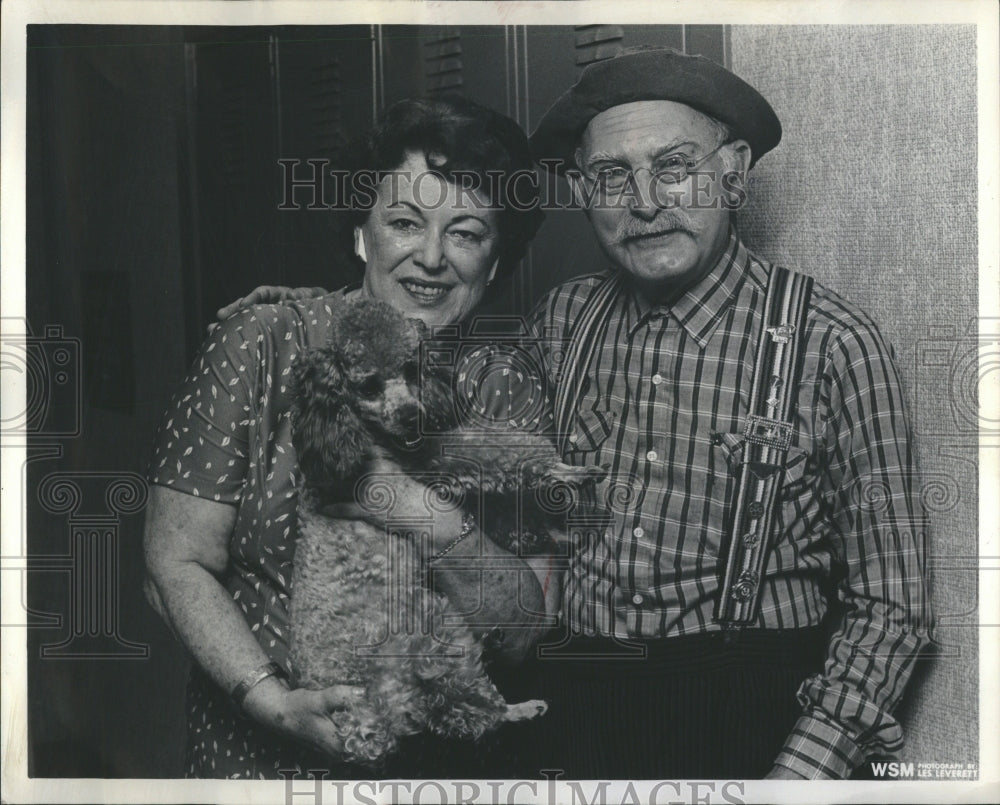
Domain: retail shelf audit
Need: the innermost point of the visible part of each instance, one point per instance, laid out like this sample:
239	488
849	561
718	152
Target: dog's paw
525	711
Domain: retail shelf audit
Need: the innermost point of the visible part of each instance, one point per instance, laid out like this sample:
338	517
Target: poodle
362	611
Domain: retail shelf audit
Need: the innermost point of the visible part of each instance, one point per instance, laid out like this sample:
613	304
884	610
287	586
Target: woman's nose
430	253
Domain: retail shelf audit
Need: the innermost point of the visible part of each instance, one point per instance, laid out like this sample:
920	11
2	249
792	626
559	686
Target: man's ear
577	188
741	158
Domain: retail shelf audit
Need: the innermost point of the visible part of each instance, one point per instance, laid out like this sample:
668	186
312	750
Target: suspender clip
768	432
781	334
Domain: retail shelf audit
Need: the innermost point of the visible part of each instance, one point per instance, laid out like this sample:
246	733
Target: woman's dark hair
463	142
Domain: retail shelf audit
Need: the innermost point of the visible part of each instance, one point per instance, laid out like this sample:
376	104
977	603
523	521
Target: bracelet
468	523
253	678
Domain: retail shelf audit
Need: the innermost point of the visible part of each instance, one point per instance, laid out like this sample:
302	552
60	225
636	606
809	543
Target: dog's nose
409	418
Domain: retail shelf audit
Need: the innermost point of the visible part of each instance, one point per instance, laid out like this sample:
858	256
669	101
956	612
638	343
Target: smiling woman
434	260
220	527
454	207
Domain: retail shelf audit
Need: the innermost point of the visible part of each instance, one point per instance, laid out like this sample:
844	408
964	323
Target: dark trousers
703	706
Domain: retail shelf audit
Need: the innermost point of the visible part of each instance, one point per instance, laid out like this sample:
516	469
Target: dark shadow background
153	187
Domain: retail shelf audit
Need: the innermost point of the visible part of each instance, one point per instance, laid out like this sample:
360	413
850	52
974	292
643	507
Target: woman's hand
186	544
306	716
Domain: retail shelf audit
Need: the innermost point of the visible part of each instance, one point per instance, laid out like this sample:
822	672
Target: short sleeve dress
226	436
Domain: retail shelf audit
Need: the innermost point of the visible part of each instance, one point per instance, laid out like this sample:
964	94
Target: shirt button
657	379
638	532
574	438
651	455
637	599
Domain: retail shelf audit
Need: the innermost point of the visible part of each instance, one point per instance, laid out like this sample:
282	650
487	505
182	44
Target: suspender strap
584	337
767	435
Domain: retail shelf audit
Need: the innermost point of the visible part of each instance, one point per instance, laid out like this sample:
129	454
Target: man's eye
613	174
673	162
370	387
403	224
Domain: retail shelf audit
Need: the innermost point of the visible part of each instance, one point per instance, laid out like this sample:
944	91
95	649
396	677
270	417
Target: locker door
235	133
324	81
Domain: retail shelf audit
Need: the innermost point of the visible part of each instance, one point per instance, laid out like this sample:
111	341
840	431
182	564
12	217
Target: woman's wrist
253	678
263	702
443	548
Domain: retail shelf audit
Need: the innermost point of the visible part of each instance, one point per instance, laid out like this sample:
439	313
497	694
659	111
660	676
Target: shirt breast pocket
592	429
731	448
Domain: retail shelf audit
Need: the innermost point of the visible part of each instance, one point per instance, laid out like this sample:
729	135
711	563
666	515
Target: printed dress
226	436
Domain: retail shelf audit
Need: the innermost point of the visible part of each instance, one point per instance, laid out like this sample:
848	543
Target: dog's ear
330	439
437	398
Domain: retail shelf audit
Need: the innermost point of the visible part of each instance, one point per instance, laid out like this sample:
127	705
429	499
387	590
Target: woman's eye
403	225
467	235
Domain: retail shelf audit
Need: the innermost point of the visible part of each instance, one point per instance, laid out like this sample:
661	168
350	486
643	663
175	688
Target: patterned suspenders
767	432
767	436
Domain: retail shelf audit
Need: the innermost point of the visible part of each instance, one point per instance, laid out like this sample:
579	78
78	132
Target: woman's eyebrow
468	217
402	203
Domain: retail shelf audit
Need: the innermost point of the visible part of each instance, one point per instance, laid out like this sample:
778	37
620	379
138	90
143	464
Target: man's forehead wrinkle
643	129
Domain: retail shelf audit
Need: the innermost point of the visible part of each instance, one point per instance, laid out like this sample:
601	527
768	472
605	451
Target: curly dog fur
360	612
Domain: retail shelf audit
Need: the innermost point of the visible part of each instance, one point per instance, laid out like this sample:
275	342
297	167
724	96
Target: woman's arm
186	547
491	587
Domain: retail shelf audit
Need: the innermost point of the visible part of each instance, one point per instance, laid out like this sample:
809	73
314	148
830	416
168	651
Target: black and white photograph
503	402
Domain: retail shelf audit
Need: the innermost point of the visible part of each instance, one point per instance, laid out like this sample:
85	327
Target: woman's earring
359	244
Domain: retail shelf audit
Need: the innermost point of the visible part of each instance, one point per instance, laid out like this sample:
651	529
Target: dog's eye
370	387
411	372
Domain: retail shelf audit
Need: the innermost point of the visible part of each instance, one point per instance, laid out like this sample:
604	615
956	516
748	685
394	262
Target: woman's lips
425	292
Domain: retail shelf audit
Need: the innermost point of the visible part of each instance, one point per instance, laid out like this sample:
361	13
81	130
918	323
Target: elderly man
756	602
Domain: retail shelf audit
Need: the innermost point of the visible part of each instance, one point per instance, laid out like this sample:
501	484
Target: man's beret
656	74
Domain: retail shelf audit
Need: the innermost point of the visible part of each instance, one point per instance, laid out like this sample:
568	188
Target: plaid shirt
664	405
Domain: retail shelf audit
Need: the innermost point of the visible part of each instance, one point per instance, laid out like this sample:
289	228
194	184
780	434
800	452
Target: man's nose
430	252
643	202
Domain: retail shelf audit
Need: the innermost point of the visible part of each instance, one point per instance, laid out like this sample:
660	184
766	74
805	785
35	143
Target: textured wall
873	192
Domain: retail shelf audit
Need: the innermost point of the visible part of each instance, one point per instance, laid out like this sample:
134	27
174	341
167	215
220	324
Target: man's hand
781	773
306	716
266	295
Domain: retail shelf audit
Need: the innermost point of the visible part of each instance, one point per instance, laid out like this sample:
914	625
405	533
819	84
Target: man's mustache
665	221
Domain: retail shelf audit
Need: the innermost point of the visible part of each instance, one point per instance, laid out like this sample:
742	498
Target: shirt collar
700	308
